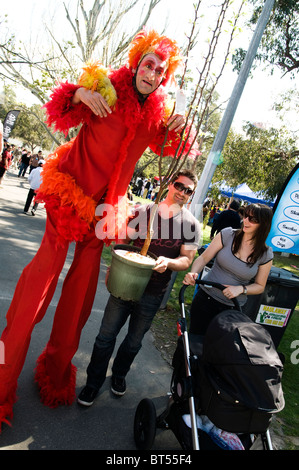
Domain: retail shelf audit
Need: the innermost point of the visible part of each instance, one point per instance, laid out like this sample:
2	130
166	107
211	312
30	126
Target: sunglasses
251	218
180	187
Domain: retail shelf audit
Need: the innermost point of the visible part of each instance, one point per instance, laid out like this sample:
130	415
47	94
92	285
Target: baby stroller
225	386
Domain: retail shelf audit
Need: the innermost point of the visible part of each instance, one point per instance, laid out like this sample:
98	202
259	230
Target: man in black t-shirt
24	163
175	242
227	218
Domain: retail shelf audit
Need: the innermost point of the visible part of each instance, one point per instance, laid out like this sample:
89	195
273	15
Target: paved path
108	424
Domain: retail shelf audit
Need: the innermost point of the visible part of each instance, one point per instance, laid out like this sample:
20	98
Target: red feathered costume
97	164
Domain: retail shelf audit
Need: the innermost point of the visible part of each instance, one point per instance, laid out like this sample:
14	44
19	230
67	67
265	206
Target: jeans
115	316
23	169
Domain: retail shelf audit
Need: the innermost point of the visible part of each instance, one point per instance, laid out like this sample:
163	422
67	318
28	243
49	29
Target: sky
259	93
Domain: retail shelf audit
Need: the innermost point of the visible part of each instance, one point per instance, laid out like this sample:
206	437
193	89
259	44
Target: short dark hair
235	205
187	173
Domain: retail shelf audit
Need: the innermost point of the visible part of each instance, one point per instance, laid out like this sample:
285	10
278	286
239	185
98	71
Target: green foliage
29	128
262	159
279	44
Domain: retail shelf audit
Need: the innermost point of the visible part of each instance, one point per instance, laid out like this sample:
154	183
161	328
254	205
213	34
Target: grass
165	334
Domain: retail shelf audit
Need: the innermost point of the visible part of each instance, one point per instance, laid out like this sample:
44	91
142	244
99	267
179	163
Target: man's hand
161	264
176	122
93	100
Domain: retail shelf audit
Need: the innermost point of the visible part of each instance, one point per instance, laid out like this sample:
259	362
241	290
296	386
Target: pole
214	155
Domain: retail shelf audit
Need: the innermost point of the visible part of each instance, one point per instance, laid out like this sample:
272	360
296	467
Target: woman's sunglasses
180	187
251	218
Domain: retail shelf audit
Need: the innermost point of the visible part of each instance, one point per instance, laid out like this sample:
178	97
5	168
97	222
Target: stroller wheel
145	424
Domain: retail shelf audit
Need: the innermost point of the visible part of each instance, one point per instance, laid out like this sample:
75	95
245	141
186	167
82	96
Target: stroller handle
207	283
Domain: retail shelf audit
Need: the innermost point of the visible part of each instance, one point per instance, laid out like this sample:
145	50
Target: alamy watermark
172	226
295	354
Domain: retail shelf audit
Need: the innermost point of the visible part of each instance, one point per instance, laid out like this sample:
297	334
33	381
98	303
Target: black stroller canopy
242	362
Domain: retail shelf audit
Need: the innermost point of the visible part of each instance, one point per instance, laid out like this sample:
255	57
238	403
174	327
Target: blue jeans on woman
115	316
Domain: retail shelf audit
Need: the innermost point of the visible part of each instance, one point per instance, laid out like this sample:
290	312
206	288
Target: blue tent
244	192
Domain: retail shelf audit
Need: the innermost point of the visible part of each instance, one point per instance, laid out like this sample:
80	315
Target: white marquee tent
244	192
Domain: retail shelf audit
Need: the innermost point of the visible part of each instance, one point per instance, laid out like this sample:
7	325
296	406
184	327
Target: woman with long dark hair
242	264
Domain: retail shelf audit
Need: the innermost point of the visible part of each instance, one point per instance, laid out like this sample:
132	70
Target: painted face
150	73
180	191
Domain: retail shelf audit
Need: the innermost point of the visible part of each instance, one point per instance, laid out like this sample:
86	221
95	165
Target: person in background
25	158
1	137
140	183
35	179
16	160
240	256
241	212
228	218
5	161
34	160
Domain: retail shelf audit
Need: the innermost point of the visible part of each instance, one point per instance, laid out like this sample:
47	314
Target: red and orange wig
148	42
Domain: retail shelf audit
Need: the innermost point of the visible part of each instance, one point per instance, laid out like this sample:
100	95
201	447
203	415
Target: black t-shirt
169	235
228	218
25	159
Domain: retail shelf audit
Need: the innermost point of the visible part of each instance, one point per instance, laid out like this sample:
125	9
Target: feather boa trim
61	113
73	211
174	147
95	78
6	410
49	395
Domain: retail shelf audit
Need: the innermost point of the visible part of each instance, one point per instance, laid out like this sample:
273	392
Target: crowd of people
20	159
146	188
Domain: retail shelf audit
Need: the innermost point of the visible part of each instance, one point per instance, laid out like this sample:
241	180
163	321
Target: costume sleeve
62	113
60	110
173	142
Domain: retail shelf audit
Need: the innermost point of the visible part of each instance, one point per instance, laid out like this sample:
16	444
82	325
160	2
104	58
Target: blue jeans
23	169
115	316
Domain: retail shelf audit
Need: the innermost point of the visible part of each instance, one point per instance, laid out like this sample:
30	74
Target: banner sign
284	233
9	123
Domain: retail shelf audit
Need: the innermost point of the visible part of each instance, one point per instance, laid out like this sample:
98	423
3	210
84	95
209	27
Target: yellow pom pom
95	77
